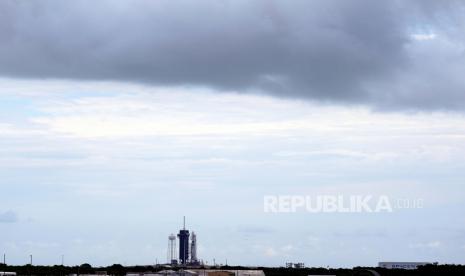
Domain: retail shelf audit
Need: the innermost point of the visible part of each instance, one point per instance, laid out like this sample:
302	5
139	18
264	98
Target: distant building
142	274
227	272
220	273
206	272
201	272
87	274
402	265
295	265
176	273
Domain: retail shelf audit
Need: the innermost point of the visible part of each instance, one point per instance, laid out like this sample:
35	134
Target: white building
402	265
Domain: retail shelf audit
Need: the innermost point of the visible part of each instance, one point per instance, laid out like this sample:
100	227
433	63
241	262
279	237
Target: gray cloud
357	52
255	229
8	217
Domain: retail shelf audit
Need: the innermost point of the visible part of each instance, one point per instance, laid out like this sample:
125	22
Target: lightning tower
172	258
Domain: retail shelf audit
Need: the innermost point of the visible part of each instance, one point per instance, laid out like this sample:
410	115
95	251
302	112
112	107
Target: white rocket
193	247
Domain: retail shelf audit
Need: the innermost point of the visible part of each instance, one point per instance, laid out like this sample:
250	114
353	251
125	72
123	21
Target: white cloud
424	36
430	245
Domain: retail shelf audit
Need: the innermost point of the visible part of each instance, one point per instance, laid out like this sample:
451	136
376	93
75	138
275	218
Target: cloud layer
384	54
8	217
93	161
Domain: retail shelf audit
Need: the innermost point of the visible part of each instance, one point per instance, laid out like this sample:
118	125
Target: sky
118	118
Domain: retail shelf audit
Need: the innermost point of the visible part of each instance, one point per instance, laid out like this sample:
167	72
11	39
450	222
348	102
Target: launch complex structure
187	247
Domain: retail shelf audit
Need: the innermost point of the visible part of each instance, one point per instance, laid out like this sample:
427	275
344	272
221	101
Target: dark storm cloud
342	51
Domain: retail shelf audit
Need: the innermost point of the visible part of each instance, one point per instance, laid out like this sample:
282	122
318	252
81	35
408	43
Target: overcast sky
119	117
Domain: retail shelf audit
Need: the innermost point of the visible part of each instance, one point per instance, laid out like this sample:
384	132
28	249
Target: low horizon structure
402	265
202	272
